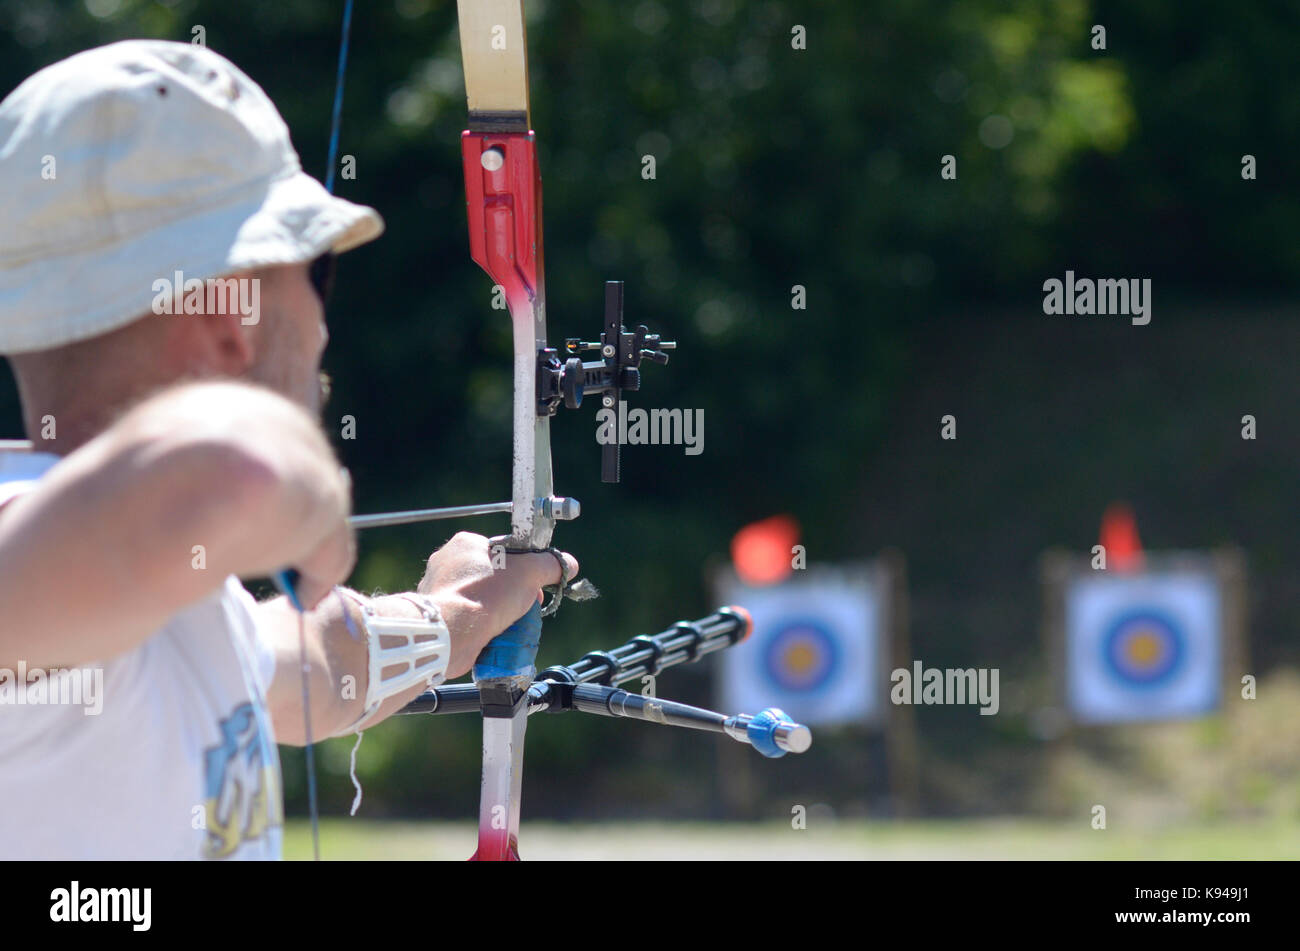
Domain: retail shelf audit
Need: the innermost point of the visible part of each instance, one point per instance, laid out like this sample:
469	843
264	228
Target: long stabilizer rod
589	686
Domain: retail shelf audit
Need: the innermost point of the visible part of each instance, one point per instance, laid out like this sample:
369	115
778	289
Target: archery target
1143	647
816	649
801	654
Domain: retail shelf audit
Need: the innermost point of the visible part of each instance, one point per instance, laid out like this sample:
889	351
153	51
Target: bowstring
336	121
337	118
305	668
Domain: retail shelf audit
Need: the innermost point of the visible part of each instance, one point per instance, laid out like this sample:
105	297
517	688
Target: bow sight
617	370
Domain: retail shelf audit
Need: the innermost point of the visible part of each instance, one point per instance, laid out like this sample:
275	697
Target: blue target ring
1144	648
801	655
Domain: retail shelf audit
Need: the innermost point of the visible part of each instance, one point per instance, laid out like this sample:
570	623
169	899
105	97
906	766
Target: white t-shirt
179	762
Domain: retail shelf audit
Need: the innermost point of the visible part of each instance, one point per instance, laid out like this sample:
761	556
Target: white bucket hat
124	164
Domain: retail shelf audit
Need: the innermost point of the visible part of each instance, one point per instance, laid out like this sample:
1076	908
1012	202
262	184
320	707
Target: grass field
993	839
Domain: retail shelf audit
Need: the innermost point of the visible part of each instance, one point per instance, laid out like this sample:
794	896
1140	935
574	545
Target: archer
176	453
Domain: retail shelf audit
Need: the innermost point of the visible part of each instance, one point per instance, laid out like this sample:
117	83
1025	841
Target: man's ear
216	325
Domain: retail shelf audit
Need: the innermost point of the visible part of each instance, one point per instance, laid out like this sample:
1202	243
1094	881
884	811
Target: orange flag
761	551
1119	536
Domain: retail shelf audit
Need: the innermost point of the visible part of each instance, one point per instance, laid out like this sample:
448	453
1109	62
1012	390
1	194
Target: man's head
278	345
132	176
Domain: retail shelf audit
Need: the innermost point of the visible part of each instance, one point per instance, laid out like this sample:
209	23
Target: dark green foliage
776	167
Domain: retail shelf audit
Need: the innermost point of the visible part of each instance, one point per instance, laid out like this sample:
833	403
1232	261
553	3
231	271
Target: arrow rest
617	370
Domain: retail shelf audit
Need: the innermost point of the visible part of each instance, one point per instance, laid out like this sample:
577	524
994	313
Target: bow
503	198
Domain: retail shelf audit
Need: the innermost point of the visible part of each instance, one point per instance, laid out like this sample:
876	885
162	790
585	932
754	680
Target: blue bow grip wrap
513	652
762	731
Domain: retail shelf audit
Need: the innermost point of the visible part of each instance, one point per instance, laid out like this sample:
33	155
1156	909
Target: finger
543	566
571	567
336	558
327	566
312	591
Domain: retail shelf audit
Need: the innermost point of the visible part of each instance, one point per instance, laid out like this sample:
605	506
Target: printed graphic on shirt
242	799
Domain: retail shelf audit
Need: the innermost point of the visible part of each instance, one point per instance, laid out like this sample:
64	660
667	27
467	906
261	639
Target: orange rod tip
749	621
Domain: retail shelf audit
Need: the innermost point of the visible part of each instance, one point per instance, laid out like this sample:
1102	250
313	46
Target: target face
801	655
1144	648
819	647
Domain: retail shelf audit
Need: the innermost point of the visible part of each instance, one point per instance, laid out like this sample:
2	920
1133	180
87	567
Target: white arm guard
405	643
